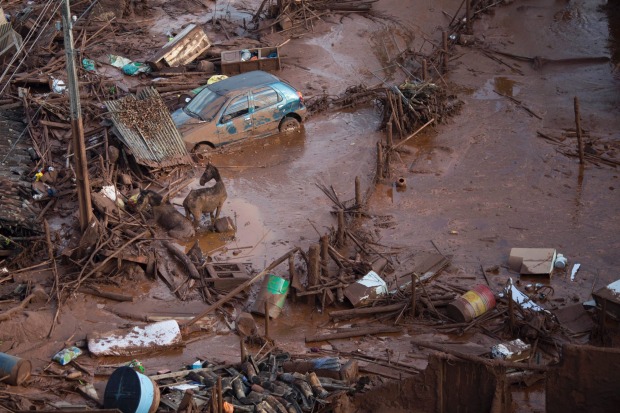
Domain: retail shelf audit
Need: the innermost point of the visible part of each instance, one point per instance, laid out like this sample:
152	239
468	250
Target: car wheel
202	150
289	124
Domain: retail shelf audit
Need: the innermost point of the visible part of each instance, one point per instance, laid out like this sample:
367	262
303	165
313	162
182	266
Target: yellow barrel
472	304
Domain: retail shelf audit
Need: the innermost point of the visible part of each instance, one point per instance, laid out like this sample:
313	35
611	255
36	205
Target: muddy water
489	184
271	184
478	186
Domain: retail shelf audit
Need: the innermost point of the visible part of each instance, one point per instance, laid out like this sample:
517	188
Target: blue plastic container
17	370
131	392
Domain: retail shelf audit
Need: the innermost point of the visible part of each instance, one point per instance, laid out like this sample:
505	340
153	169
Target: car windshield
205	105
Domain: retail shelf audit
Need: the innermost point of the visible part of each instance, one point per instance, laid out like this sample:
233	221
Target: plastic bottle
560	261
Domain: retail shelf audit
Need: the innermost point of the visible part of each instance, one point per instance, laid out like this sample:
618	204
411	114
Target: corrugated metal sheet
9	38
163	147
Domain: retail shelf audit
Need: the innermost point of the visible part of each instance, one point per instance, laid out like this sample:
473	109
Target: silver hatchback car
253	104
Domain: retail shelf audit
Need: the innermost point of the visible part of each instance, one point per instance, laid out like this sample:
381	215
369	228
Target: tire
202	150
289	124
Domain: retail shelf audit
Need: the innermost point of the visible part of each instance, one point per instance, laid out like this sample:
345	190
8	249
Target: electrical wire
8	82
24	42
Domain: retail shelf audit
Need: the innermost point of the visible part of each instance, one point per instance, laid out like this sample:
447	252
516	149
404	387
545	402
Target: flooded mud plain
477	185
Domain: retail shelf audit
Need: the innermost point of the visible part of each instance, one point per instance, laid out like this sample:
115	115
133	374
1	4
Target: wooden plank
140	259
354	333
366	311
183	373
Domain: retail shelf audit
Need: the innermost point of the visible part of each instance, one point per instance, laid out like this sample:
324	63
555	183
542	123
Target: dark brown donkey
206	200
167	216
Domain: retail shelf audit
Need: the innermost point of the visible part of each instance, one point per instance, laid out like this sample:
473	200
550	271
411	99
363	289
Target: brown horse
206	200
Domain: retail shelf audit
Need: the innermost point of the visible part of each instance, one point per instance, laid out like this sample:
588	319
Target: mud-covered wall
586	380
466	387
447	385
411	395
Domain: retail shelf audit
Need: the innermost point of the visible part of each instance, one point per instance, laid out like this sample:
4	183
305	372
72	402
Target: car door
235	122
266	116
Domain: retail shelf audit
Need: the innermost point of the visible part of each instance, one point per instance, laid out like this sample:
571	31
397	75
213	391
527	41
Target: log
106	294
240	288
354	333
55	124
314	268
365	311
193	272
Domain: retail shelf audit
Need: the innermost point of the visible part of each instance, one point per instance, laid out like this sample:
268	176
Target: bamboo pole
341	227
379	161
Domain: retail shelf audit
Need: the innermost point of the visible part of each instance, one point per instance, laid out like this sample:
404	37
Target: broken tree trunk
193	272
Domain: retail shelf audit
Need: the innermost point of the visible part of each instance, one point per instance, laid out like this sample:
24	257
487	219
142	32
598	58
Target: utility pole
77	128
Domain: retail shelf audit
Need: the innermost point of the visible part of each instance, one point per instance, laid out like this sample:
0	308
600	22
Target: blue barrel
131	392
15	370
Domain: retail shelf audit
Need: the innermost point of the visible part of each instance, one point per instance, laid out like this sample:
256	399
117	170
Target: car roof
242	81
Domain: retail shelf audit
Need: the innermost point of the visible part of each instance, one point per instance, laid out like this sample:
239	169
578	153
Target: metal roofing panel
152	137
9	38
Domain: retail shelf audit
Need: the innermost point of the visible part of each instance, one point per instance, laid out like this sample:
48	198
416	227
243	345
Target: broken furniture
183	49
246	60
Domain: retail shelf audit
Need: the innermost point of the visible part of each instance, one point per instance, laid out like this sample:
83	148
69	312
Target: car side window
239	106
265	97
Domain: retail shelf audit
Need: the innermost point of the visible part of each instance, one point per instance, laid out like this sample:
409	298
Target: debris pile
275	382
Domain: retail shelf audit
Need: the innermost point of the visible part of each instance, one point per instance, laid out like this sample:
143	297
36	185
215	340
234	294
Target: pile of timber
291	14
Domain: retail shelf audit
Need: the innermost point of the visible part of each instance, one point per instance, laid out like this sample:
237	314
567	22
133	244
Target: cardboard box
535	261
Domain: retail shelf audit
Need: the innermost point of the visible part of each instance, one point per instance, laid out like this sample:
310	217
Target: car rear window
206	104
265	97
